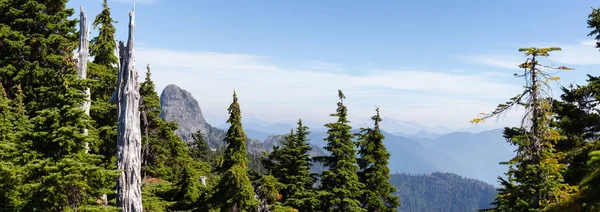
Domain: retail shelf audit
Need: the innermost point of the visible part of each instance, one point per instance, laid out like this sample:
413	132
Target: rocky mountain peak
180	106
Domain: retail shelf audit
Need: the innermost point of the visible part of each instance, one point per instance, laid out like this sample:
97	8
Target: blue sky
435	62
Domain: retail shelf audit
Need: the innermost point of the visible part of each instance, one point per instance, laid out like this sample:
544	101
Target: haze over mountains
414	149
391	125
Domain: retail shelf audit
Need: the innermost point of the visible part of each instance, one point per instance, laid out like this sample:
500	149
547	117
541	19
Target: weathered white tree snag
82	59
127	98
203	180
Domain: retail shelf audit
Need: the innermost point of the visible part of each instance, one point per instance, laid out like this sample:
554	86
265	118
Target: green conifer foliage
172	175
234	190
593	23
9	139
103	46
577	121
374	172
290	164
340	187
200	149
164	153
102	73
155	152
235	153
37	47
188	187
535	178
269	191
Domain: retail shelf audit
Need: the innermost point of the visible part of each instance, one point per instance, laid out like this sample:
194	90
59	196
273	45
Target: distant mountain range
393	126
414	149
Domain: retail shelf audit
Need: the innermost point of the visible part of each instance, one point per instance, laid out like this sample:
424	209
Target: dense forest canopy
56	154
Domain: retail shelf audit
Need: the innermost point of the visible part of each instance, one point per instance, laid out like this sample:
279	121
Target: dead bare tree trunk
127	97
83	55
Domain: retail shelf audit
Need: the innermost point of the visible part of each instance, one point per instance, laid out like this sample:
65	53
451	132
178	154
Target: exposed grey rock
254	147
178	105
272	141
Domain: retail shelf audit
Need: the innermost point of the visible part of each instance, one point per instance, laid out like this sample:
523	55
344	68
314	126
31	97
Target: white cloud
275	93
324	66
500	61
583	53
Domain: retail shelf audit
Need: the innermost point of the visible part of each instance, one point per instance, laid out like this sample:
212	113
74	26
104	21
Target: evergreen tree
103	47
37	47
235	191
102	73
268	190
164	153
12	126
200	149
374	172
578	122
535	174
578	118
290	164
188	187
155	144
593	23
340	187
172	175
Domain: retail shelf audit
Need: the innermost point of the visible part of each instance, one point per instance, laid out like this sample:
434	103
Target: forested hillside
442	192
82	128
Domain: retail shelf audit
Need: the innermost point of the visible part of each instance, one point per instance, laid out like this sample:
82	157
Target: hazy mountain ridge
481	152
474	155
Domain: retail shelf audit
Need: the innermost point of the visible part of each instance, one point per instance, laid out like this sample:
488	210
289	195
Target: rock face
178	105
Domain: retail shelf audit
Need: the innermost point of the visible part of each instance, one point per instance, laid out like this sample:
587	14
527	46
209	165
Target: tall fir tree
578	120
172	176
374	171
102	73
235	191
290	164
13	125
340	187
581	120
535	178
104	45
163	151
155	146
38	40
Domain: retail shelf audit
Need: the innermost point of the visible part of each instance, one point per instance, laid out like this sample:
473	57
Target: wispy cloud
324	66
496	60
275	93
582	53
